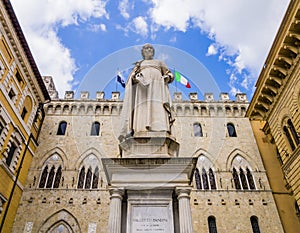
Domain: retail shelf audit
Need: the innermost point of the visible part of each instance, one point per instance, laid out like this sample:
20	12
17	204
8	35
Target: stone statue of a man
147	101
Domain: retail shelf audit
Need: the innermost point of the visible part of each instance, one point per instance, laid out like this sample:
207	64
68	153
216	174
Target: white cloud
98	27
103	27
243	29
40	29
212	50
124	8
139	26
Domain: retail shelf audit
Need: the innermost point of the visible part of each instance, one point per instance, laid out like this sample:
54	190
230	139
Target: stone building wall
67	207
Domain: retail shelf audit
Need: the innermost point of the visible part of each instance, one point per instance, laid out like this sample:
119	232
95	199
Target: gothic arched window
51	179
212	180
43	177
88	179
198	179
289	138
250	179
81	178
236	179
254	224
231	130
204	179
243	179
197	130
62	128
95	178
212	226
57	178
95	129
89	173
293	131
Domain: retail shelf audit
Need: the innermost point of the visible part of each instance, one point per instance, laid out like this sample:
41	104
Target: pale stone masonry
80	210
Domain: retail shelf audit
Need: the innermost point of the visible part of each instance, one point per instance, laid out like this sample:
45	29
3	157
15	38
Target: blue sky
230	39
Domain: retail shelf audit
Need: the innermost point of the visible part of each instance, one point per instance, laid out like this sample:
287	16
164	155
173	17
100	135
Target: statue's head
148	51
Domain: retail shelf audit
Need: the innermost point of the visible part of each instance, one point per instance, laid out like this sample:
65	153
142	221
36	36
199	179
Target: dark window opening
204	179
81	178
198	179
212	226
243	179
57	178
197	130
231	130
95	179
254	224
212	180
88	179
62	128
43	177
11	153
250	179
50	178
289	138
95	129
11	94
1	127
19	78
236	179
24	112
293	131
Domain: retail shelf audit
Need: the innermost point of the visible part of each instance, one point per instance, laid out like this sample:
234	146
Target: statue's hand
137	77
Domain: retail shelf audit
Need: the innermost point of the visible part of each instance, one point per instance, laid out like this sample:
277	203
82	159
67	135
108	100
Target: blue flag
120	79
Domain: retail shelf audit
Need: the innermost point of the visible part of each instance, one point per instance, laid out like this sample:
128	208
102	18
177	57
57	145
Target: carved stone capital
116	193
183	192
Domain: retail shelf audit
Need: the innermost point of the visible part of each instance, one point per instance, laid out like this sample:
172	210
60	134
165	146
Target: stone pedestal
149	144
150	211
151	187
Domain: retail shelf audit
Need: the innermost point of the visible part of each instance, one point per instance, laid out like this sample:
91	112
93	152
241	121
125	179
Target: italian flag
180	78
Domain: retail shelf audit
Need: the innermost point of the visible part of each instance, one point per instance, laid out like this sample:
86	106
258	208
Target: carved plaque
151	218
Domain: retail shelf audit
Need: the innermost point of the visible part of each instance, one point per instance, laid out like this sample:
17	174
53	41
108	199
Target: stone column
114	221
185	216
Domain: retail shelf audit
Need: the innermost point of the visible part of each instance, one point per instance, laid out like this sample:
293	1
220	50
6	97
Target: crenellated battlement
224	107
177	97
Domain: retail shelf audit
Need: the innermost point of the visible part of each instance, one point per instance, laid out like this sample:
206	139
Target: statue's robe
146	105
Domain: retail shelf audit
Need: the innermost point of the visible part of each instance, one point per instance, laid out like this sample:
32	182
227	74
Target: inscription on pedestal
151	219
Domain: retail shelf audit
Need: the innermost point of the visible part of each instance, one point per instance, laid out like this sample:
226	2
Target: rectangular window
24	112
1	127
11	94
5	51
19	78
11	154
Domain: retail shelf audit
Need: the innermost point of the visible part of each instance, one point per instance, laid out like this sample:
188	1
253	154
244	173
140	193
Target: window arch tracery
51	173
205	180
88	177
242	175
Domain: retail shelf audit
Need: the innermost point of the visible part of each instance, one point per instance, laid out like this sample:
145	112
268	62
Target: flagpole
116	80
175	81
